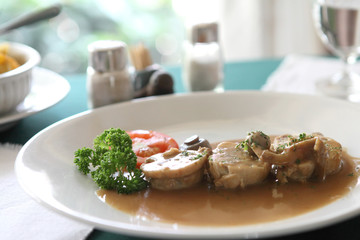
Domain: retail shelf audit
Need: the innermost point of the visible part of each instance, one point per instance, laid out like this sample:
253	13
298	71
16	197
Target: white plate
48	88
45	167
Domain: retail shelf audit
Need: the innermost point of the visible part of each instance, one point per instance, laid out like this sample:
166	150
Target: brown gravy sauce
203	205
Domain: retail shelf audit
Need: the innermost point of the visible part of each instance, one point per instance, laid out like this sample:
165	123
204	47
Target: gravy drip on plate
204	205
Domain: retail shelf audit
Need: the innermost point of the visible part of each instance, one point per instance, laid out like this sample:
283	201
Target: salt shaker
203	65
108	76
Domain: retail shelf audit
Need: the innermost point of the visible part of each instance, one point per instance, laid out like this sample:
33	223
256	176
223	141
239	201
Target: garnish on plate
112	162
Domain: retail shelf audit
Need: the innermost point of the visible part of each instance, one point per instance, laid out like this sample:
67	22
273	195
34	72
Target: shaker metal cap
204	33
107	55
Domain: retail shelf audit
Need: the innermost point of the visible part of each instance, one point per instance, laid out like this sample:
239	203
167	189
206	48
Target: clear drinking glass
338	25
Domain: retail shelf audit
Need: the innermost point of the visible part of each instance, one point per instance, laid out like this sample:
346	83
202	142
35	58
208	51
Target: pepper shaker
108	76
203	64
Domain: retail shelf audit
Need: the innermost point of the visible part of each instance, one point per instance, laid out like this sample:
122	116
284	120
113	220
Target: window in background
248	28
62	41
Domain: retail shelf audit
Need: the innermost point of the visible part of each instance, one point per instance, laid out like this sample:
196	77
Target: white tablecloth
23	218
299	73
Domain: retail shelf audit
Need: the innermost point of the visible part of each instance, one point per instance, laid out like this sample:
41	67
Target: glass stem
348	61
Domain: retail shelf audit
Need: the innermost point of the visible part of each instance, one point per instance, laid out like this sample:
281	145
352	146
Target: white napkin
299	73
23	218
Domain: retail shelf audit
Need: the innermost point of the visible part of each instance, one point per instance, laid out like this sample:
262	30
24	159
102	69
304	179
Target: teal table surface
245	75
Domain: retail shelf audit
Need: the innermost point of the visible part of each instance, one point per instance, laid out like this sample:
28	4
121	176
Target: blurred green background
62	41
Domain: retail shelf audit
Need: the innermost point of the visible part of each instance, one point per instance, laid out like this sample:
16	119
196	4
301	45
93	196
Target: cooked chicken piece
329	155
176	169
299	158
298	172
231	167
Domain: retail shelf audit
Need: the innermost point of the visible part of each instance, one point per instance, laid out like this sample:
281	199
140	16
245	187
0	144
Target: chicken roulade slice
175	169
230	167
299	158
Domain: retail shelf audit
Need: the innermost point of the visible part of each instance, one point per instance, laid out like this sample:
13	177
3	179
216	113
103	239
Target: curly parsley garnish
112	162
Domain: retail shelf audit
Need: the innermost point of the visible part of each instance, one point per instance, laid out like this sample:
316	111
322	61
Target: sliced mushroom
290	155
257	142
194	143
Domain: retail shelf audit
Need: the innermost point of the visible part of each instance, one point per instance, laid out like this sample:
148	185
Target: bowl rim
34	59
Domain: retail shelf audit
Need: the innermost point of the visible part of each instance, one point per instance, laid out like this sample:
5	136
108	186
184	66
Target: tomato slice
147	143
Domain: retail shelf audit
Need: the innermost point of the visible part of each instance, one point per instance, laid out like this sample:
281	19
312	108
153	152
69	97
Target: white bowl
15	85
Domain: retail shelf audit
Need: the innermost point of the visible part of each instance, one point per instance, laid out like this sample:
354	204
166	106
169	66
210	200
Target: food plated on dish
287	171
7	63
45	166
